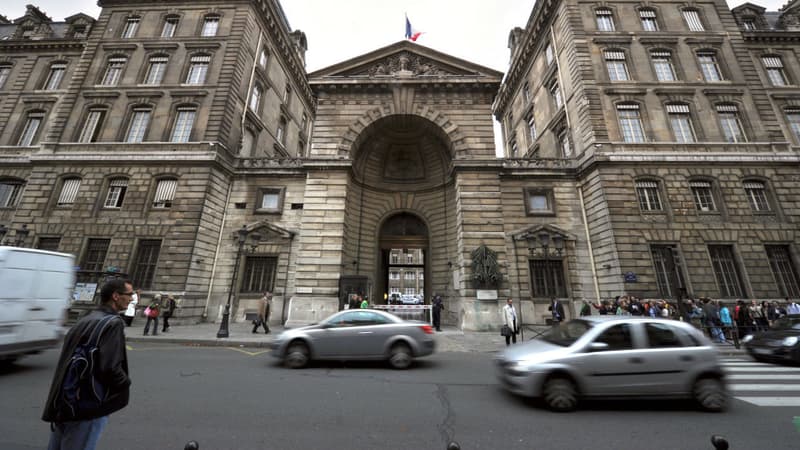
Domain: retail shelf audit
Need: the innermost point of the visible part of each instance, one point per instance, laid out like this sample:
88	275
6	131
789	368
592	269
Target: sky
337	30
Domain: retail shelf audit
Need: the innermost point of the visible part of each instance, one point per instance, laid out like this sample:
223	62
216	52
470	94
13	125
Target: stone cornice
119	46
50	44
771	36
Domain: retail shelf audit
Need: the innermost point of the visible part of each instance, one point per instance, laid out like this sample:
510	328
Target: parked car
781	343
409	300
362	334
604	356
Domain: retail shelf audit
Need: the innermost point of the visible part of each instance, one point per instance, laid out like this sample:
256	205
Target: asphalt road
228	398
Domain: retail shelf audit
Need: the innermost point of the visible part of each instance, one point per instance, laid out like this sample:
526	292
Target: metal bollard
453	446
719	442
191	445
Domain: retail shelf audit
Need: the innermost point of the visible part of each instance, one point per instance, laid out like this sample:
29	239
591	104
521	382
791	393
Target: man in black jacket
81	429
558	311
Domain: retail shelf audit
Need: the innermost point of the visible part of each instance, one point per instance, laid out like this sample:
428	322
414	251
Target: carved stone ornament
404	62
485	269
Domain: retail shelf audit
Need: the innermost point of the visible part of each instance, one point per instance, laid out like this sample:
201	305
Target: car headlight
789	341
747	338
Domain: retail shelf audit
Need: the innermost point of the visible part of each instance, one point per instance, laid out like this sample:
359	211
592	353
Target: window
703	195
409	258
775	72
5	72
709	66
248	142
301	146
280	133
726	271
410	291
165	193
55	76
30	131
630	123
648	193
555	91
27	32
784	270
255	98
113	71
144	268
731	123
210	26
756	193
270	200
49	243
9	193
140	120
184	121
661	335
526	92
92	125
648	18
263	56
131	25
681	122
615	63
605	19
259	274
79	32
198	69
532	127
69	192
170	25
749	24
394	275
617	337
547	278
95	255
410	276
692	18
538	201
548	54
793	118
564	143
116	193
156	70
395	258
662	65
668	269
514	149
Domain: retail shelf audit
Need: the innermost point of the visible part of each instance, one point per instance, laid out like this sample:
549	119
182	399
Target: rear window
661	335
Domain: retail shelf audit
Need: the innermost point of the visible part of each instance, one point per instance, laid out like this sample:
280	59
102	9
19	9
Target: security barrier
408	312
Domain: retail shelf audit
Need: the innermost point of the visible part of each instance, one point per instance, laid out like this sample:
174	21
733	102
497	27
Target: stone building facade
650	148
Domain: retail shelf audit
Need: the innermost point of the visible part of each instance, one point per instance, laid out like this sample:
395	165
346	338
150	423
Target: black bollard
719	442
192	445
453	446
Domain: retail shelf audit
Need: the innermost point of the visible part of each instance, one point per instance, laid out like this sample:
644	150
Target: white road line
745	363
765	387
766	369
763	377
771	401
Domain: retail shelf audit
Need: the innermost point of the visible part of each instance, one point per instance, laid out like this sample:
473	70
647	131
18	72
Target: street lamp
241	238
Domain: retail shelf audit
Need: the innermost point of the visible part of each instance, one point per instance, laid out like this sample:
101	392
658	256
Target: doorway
402	276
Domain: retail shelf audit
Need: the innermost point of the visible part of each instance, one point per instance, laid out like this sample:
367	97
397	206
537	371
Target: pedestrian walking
586	309
264	307
151	312
436	310
557	309
167	311
510	321
365	303
130	311
78	423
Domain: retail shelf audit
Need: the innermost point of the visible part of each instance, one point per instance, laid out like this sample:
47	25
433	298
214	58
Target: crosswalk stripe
771	401
767	368
762	377
765	387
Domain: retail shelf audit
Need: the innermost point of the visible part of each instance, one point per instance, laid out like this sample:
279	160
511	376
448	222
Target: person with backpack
152	312
91	380
168	310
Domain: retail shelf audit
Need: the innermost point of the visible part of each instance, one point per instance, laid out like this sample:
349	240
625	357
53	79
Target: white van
35	289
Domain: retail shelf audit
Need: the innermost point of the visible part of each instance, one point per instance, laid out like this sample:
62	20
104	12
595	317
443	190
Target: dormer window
749	24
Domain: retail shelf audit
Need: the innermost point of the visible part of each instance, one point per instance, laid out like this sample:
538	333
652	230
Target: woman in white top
130	313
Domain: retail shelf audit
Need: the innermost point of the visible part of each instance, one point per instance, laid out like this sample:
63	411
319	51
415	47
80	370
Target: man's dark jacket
111	367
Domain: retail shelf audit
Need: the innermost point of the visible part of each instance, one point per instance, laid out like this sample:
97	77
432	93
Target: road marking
184	347
743	363
765	387
256	353
771	401
762	377
766	368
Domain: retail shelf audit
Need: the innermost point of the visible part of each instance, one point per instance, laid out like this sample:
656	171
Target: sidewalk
450	339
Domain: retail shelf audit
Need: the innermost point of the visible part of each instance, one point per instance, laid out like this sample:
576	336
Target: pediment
405	58
533	232
749	8
268	231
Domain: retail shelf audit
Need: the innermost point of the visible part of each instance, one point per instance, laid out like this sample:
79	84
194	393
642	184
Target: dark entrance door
404	253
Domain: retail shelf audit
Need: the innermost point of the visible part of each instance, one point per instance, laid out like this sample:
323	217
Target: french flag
411	32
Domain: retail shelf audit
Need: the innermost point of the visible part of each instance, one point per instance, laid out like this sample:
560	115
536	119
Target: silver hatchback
617	357
360	334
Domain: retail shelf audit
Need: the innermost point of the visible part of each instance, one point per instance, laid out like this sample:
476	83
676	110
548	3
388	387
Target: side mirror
598	346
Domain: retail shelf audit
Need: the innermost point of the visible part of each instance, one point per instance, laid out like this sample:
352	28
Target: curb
201	342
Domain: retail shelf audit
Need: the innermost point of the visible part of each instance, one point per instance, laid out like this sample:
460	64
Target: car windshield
566	334
787	323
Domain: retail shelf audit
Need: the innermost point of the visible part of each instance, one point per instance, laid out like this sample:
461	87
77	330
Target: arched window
69	191
131	25
198	69
54	77
616	65
210	25
184	122
113	72
756	192
30	131
630	122
680	120
648	19
156	68
92	125
731	122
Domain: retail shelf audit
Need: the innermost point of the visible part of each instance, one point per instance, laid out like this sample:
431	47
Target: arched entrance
403	247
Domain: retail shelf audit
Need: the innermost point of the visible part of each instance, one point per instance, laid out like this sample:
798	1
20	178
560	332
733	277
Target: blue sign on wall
630	277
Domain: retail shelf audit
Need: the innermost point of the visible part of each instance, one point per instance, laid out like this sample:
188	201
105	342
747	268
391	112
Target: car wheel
710	394
400	356
297	355
560	394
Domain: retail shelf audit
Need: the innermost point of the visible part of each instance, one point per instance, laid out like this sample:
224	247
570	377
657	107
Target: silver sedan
361	334
615	357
